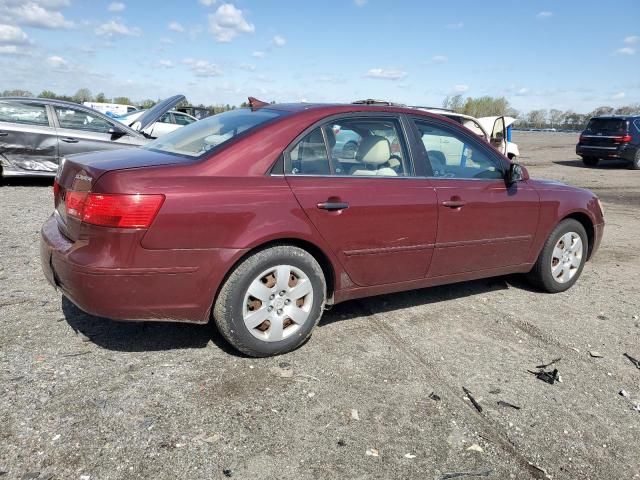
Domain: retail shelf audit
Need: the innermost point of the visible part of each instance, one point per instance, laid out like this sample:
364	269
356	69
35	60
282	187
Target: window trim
465	132
398	117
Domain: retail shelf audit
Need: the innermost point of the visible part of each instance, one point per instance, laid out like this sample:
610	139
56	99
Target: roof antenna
255	103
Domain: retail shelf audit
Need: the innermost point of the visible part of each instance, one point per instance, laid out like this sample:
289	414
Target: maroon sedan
256	218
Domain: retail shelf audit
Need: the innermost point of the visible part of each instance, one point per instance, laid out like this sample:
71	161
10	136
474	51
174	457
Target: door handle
454	203
4	134
332	206
69	140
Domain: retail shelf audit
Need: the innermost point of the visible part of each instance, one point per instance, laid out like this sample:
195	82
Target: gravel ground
376	393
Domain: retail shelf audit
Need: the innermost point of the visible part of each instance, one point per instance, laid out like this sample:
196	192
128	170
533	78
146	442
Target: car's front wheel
562	258
271	301
590	161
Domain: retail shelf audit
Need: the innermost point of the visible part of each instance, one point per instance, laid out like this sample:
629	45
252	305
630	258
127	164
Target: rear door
28	139
482	223
374	213
81	130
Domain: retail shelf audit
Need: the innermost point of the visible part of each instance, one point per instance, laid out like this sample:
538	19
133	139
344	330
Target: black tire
635	163
228	308
541	274
590	161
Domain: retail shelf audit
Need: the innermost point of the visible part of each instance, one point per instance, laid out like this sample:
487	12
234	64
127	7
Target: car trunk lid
604	132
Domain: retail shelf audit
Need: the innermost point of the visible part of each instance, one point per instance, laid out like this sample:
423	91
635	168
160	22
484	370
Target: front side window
454	155
77	119
359	147
23	112
200	137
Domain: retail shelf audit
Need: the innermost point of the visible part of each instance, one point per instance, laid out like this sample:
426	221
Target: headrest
374	150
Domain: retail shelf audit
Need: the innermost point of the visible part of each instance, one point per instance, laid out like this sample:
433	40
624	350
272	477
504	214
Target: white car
492	129
169	122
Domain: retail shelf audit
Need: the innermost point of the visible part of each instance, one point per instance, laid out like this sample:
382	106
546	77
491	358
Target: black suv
610	137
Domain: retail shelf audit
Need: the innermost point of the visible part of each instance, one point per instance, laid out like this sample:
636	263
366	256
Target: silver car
35	133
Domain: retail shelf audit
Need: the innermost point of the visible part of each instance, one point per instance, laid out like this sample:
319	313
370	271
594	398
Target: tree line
553	118
85	95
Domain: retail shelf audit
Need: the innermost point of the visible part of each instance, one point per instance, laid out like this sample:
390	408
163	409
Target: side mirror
115	132
516	173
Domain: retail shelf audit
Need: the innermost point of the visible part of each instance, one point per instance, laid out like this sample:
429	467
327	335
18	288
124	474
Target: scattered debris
409	455
636	407
85	477
342	443
354	414
540	470
282	371
632	360
602	317
227	472
284	365
623	393
311	394
30	476
595	354
495	391
548	377
478	473
473	400
502	403
475	448
76	354
575	349
372	452
435	397
550	363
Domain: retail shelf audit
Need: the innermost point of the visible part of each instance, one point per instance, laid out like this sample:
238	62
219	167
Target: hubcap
277	303
567	257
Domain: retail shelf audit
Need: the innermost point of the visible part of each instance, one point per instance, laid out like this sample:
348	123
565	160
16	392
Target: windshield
200	137
609	125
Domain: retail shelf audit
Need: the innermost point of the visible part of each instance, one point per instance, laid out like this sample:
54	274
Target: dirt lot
86	398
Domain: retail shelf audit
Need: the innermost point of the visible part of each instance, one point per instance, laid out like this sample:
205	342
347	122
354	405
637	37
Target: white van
110	109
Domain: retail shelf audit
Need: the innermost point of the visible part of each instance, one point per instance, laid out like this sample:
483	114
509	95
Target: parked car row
258	218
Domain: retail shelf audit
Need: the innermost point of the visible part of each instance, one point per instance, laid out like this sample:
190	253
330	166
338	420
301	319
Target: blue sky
539	53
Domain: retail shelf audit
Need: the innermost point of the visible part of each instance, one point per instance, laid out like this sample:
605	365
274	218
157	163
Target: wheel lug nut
269	309
287	301
279	311
282	293
272	296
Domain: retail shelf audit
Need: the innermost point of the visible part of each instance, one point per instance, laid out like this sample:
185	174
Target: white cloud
165	64
439	59
279	41
360	3
545	14
626	51
386	74
228	22
522	91
9	50
632	39
618	96
455	26
258	54
116	27
35	13
208	3
202	68
460	88
176	27
247	66
57	62
10	34
116	7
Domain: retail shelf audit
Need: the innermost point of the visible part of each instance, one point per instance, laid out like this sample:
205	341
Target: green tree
17	93
101	98
122	100
47	94
83	95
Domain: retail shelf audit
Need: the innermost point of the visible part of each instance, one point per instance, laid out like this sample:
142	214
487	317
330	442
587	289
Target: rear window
200	137
609	125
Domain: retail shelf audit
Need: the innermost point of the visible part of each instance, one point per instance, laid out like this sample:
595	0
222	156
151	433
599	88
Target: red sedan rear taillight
114	210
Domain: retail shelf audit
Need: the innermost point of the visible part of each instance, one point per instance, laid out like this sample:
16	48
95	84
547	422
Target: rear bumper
621	152
163	286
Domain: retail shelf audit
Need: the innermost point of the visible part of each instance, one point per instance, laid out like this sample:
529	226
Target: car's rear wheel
271	301
635	163
562	258
590	161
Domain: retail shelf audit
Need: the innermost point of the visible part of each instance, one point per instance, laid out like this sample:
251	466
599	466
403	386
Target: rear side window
309	156
607	125
23	112
200	137
182	119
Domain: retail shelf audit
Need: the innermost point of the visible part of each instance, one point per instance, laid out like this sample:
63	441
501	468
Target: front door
482	223
376	216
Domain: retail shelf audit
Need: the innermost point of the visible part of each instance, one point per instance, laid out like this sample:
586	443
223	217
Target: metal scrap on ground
473	400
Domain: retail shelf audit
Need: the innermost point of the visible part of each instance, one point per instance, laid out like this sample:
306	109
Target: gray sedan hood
153	114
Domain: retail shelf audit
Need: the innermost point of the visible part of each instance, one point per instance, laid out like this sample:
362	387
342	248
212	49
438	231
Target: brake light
114	210
624	139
